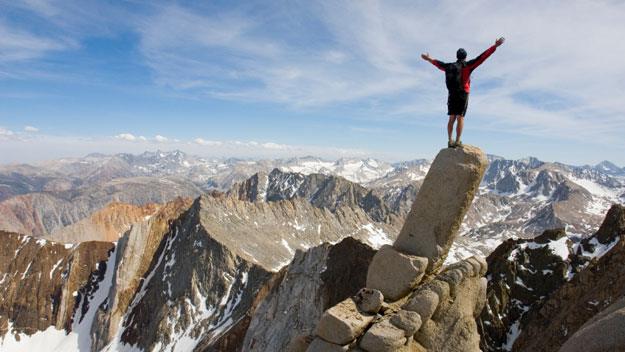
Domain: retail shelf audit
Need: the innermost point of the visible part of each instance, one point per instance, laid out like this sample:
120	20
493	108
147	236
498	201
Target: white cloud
201	141
142	138
5	132
160	139
31	129
126	137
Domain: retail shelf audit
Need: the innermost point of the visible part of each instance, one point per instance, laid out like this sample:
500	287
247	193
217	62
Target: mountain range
517	198
164	251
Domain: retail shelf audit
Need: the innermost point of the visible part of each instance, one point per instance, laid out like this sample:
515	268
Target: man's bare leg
450	127
459	128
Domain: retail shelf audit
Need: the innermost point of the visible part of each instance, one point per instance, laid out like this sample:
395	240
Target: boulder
454	278
453	328
369	300
423	302
441	204
477	265
406	320
394	273
441	288
342	323
383	337
483	264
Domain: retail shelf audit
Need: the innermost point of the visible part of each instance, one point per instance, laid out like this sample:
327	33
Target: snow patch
377	237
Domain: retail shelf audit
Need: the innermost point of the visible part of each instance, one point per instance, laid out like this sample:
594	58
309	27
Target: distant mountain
518	198
42	213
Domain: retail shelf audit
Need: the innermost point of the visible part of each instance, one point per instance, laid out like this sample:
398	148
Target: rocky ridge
541	291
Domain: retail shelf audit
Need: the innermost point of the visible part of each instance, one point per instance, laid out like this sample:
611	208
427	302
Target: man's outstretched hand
426	57
500	41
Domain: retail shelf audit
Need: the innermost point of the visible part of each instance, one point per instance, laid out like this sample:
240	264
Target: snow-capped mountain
518	198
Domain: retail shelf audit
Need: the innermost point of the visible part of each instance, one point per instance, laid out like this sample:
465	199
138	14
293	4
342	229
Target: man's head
461	54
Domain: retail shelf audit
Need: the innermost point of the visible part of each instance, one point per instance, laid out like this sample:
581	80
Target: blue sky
328	78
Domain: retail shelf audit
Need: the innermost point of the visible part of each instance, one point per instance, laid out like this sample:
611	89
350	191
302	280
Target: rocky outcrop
586	294
433	222
424	311
441	204
539	290
522	274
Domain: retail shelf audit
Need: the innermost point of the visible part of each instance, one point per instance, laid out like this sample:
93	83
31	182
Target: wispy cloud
559	75
31	129
561	52
18	45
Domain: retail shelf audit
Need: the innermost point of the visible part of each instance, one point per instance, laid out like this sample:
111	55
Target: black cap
461	54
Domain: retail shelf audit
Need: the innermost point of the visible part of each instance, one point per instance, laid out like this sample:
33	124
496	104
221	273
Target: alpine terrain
165	251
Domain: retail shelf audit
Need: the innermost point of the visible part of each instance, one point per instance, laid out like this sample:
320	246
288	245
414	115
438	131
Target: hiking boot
451	144
458	144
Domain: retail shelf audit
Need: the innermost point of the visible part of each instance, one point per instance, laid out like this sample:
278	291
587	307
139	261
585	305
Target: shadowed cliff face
541	291
196	289
314	281
44	283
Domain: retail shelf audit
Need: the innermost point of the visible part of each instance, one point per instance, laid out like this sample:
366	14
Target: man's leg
459	127
450	126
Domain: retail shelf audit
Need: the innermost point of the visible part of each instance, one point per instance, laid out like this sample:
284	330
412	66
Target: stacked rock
414	311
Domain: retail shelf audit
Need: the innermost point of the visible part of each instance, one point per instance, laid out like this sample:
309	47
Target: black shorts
457	103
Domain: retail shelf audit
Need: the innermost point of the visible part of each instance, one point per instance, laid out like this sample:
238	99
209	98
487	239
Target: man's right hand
426	57
500	41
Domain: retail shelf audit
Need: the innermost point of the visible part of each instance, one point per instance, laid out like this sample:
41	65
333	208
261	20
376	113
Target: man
458	81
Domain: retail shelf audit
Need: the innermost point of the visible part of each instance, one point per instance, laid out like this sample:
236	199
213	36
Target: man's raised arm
437	63
473	64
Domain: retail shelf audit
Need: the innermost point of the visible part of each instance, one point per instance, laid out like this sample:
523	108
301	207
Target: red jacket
469	67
